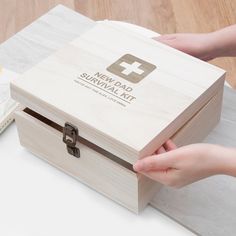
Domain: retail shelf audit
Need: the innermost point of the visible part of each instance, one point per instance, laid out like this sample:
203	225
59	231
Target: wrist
223	41
216	45
230	162
225	160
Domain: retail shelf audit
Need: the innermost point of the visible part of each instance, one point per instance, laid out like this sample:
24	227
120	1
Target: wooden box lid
125	93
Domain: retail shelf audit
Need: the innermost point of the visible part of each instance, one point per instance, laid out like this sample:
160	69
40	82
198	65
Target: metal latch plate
70	136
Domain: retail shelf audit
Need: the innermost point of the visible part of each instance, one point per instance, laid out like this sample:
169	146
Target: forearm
225	41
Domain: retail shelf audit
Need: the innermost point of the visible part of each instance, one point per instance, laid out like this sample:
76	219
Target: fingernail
137	166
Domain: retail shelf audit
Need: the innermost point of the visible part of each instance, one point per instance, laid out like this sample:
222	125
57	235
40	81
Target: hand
202	46
178	167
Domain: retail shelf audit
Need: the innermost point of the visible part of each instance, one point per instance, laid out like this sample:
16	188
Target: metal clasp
70	136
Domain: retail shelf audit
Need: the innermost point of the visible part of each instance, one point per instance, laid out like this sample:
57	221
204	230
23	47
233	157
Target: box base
115	179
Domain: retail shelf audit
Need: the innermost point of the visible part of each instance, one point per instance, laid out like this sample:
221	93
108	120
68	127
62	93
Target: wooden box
109	98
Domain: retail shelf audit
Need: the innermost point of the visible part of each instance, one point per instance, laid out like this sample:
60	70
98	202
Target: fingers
160	150
155	162
169	145
169	39
168	177
177	41
159	176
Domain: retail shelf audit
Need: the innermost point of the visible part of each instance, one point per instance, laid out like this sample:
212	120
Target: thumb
155	162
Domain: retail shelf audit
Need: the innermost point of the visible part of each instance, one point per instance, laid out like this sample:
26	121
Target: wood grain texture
15	15
115	181
41	38
94	170
201	124
163	16
100	172
173	97
169	16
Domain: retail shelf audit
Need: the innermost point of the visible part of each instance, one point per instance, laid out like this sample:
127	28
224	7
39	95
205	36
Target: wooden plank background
163	16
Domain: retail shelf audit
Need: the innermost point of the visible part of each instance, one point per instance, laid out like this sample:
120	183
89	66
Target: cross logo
131	68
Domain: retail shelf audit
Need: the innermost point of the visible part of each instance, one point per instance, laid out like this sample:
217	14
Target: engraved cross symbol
130	68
